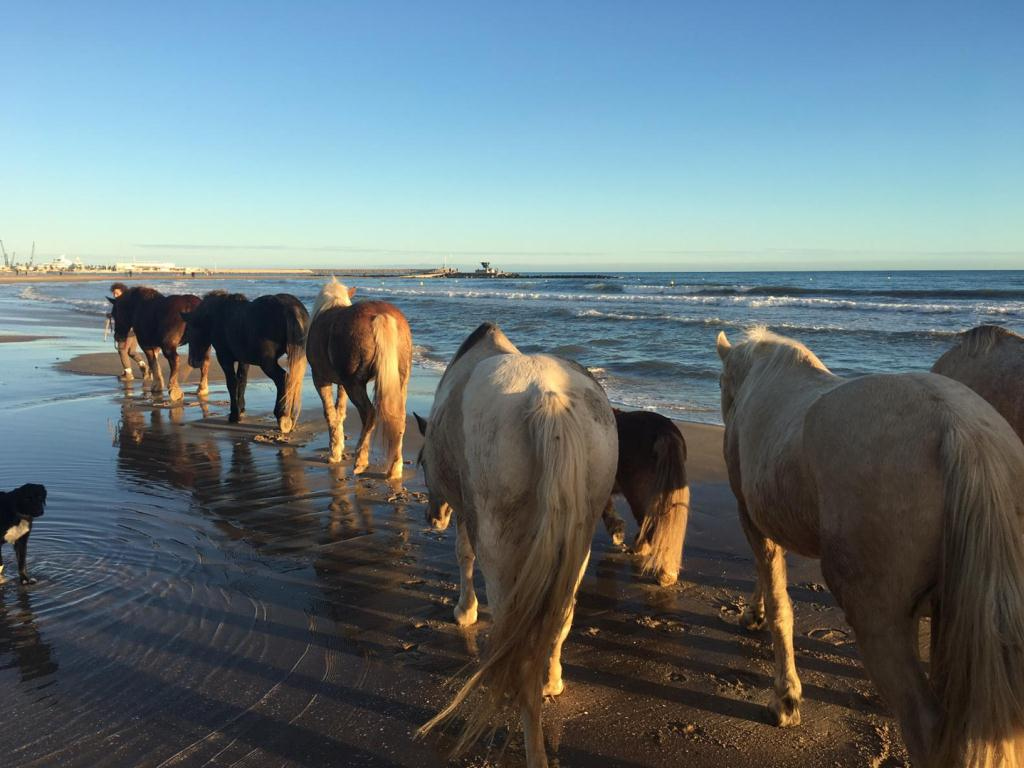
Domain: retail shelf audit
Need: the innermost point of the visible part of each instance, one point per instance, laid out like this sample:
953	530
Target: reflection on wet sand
216	599
21	644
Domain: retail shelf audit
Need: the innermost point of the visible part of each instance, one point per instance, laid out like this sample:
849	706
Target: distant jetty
487	272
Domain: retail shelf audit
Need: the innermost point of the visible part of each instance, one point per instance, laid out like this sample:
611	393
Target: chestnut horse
156	320
990	360
651	475
910	488
258	331
523	447
350	345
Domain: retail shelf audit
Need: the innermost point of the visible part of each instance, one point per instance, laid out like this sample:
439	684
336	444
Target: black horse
259	332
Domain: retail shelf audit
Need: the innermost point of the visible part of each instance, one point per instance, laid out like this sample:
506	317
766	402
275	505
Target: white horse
910	488
523	448
990	360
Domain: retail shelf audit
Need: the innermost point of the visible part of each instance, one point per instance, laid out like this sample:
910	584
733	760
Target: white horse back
500	463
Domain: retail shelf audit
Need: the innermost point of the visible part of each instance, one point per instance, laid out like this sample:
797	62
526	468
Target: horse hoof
785	712
554	688
439	523
360	468
667	578
175	395
642	549
465	617
752	620
618	534
202	392
234	418
27	580
285	424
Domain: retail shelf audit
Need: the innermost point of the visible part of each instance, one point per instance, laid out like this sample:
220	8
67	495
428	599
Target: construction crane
7	261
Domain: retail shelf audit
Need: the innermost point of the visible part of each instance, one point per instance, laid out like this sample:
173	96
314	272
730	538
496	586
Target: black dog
18	508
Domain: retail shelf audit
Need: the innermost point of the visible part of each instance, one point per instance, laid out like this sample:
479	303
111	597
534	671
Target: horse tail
296	322
389	391
978	649
541	600
664	524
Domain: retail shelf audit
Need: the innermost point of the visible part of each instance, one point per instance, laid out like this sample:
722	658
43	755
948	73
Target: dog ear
421	423
111	300
351	292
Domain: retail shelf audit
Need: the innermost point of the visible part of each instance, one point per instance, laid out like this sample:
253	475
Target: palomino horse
156	320
350	345
651	475
990	360
258	331
910	488
523	447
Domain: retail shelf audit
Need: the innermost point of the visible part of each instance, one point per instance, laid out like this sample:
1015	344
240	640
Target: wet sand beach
210	595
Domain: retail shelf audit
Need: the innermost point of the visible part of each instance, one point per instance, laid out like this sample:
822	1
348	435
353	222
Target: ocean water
649	337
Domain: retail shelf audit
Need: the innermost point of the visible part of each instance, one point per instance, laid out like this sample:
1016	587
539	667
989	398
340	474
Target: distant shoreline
87	277
7	278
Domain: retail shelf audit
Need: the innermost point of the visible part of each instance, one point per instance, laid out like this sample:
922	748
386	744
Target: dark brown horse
258	331
651	475
156	320
350	345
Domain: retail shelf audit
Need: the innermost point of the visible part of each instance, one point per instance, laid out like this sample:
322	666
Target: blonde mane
981	340
333	294
779	352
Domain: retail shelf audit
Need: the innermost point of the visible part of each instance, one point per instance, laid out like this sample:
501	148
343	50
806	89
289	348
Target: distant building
146	266
61	264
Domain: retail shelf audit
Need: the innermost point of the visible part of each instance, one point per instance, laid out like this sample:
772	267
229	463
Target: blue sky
562	135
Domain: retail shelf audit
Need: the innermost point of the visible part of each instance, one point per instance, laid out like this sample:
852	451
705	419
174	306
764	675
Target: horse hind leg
752	617
771	570
613	523
533	731
466	609
888	645
368	415
157	373
204	377
174	393
277	374
334	415
554	685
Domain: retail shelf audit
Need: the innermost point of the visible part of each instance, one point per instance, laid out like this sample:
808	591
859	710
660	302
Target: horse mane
482	330
778	352
981	340
221	294
142	292
333	294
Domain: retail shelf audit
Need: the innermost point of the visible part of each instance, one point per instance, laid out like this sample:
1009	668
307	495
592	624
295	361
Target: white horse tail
664	525
537	606
296	349
389	395
978	650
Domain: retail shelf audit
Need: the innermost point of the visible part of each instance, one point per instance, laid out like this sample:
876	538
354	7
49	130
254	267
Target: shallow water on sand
209	597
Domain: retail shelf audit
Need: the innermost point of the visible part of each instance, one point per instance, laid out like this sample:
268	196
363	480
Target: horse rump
652	476
541	600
